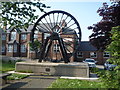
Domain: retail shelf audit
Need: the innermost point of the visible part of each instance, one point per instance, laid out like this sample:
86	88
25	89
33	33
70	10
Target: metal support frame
64	52
45	49
52	23
42	54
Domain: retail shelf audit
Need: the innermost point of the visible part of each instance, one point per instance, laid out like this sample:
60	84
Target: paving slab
32	82
41	81
81	78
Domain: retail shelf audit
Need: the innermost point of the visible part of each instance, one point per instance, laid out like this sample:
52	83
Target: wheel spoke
50	22
61	19
57	18
53	19
69	21
42	29
70	25
66	18
48	25
64	30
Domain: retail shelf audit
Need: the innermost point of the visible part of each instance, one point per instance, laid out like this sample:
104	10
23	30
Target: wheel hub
54	36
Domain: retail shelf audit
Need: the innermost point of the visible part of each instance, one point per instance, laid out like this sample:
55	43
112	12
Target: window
36	34
3	48
13	36
46	35
79	54
23	48
23	36
10	48
93	54
56	48
15	47
106	54
3	37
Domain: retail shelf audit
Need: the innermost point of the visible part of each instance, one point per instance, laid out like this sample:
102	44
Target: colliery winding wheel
60	35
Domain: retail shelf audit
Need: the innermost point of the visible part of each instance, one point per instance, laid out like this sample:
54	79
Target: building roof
86	46
29	29
19	30
42	28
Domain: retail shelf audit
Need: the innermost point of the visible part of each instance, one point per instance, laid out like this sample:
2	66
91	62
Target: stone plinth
59	69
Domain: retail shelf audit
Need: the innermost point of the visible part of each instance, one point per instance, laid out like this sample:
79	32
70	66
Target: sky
84	11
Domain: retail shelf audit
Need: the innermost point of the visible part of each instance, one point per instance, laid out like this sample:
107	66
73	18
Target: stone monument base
59	69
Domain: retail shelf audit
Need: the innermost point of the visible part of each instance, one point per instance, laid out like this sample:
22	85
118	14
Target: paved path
32	82
37	81
100	66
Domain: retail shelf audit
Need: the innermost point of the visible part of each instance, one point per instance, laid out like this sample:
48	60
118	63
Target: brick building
15	43
87	50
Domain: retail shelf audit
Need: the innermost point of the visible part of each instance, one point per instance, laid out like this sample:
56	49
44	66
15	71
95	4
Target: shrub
112	78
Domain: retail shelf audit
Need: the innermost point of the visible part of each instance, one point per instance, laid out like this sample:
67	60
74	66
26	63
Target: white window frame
13	36
93	54
36	35
3	48
56	48
10	48
106	53
23	36
46	35
3	37
15	48
79	54
23	48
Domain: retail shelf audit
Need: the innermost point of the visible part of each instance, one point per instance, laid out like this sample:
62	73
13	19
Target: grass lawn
16	76
7	66
75	83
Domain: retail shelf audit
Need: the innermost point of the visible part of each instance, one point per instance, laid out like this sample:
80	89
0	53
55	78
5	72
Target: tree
114	46
35	46
112	78
100	37
19	14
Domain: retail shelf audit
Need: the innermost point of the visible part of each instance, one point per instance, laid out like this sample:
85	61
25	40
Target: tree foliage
100	37
114	46
20	14
112	78
35	46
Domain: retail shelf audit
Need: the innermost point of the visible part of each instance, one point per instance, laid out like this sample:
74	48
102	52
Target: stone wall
59	69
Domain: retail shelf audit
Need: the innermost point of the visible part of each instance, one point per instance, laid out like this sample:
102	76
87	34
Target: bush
112	78
94	70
